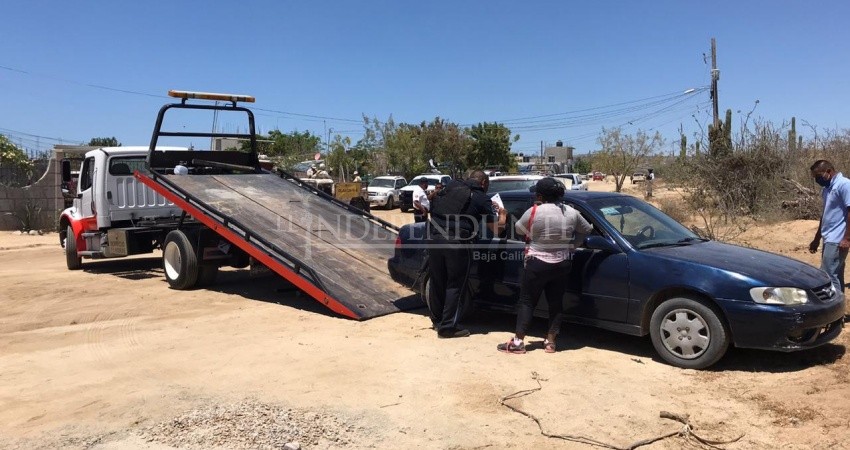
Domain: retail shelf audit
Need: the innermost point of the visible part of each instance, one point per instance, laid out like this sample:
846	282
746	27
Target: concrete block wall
36	206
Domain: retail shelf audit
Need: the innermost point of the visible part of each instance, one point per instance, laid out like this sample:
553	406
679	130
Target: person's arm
499	224
583	228
813	246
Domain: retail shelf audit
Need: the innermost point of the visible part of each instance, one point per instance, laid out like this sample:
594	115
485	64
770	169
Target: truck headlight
779	295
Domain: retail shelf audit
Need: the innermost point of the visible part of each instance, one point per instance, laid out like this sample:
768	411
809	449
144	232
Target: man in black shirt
459	215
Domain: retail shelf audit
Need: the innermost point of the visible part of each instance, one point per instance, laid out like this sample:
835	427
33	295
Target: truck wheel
405	209
390	203
179	261
207	275
73	261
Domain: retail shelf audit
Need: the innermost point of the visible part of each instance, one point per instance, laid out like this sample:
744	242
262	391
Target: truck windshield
382	183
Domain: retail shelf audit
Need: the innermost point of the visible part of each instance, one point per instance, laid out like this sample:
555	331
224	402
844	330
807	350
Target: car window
515	208
510	185
86	174
640	223
399	183
126	165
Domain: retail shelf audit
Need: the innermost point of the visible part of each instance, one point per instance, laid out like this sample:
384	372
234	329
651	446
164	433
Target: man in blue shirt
833	223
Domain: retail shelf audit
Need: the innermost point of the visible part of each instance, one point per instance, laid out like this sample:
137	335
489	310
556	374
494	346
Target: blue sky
549	70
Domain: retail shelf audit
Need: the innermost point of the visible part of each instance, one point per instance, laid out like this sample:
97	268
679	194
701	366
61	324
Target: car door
599	280
497	262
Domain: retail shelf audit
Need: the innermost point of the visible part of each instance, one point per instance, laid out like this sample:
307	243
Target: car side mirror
596	242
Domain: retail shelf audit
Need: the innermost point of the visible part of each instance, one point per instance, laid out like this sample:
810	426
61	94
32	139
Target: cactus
683	147
792	135
720	138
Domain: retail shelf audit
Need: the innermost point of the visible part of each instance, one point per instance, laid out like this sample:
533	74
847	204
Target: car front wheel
688	333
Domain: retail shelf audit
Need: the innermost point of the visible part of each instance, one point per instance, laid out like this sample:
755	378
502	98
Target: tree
622	153
491	147
104	142
286	149
13	156
447	144
582	165
339	158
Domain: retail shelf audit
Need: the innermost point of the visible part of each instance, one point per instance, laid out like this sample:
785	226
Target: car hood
766	268
380	189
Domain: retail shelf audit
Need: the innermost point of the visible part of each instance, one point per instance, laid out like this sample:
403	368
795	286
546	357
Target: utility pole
715	75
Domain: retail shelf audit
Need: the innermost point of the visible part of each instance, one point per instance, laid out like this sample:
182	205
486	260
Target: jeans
832	262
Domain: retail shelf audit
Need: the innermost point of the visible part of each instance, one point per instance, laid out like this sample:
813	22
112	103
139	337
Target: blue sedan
640	272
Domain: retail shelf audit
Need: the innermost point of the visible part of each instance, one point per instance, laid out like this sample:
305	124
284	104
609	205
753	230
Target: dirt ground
110	358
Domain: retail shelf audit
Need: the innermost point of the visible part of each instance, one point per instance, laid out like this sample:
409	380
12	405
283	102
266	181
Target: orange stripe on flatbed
248	248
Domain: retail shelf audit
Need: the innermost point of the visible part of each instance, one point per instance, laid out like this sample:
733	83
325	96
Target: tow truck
207	209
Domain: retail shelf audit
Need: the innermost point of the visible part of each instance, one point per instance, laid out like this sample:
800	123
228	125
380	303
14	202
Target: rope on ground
686	432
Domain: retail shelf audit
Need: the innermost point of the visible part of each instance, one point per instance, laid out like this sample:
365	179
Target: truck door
85	192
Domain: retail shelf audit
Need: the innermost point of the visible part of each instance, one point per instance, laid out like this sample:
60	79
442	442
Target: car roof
388	177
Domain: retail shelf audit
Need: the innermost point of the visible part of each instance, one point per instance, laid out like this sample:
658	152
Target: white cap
181	170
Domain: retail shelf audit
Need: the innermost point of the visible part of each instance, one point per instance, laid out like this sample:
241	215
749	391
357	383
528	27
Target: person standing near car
833	227
650	179
458	215
421	203
437	188
552	230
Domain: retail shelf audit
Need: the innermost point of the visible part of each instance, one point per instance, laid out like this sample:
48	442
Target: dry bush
675	209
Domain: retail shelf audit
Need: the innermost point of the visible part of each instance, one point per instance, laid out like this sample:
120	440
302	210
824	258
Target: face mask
822	181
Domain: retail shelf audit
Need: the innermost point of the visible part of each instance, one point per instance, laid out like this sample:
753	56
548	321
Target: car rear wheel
466	306
180	261
688	333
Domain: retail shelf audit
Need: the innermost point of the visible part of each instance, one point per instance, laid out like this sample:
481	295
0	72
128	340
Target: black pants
537	278
448	265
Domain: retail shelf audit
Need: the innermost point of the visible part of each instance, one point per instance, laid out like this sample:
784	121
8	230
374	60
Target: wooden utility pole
715	75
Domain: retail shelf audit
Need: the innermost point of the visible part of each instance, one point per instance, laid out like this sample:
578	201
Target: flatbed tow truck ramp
332	251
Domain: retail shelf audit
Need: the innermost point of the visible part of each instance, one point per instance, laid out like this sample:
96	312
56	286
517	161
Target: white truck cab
112	213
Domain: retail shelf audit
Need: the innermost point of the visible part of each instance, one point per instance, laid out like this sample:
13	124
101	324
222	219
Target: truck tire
73	261
390	202
180	261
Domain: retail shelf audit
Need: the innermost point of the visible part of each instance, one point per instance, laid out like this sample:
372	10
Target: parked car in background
514	182
637	177
598	176
642	273
573	181
384	191
406	194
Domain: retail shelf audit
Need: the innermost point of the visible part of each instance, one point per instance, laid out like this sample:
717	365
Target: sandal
510	347
548	347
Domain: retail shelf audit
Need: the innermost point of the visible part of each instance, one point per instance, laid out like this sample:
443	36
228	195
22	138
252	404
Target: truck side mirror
66	171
